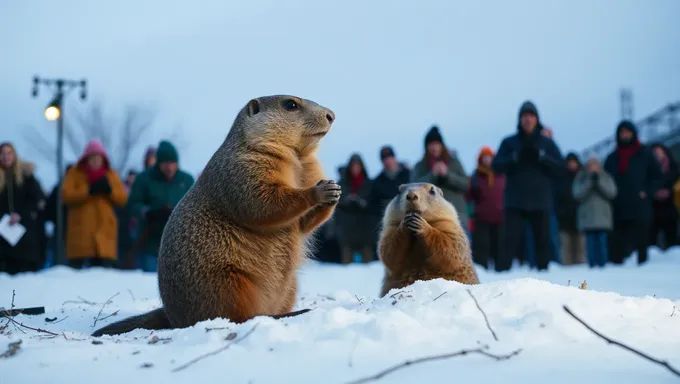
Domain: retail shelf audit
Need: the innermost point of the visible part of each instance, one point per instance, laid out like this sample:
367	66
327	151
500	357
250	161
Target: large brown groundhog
422	239
233	245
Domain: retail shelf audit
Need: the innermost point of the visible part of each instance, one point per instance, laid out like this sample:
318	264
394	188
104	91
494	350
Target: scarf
355	182
94	175
625	153
483	170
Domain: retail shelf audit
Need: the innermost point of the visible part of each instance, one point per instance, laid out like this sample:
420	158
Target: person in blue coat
530	161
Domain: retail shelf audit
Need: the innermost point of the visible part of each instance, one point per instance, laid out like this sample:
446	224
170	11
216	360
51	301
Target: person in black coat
21	197
530	162
386	184
638	178
665	220
573	242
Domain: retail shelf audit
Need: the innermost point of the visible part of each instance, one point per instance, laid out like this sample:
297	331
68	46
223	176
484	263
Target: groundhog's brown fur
233	245
422	239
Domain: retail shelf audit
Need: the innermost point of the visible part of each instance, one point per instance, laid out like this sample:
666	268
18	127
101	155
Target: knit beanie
166	152
433	135
528	107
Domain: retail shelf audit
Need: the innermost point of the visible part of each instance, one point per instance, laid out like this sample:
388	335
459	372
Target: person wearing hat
638	177
154	193
486	193
386	185
442	168
354	222
531	162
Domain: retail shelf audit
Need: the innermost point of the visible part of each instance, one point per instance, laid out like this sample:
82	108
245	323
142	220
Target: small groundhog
233	245
422	239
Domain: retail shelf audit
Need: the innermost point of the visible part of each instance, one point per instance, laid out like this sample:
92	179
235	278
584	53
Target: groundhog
233	245
422	239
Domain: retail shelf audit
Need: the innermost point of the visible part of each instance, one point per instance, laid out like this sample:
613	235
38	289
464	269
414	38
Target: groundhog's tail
156	319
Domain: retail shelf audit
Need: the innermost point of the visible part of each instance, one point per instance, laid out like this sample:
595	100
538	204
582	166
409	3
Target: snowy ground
350	334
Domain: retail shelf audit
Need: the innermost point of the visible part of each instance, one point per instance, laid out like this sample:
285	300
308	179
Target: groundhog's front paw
327	192
415	223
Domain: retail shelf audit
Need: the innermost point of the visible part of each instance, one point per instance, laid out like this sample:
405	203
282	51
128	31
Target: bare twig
102	308
483	314
624	346
673	313
443	293
113	314
407	363
81	300
59	321
131	294
31	328
215	352
358	299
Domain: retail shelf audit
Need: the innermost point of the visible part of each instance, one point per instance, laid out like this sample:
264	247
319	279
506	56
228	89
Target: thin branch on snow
11	319
81	300
483	314
673	313
407	363
443	293
215	352
102	308
624	346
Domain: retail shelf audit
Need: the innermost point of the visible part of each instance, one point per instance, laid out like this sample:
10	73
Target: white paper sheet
11	233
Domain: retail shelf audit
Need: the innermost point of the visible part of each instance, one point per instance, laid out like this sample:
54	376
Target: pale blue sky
389	69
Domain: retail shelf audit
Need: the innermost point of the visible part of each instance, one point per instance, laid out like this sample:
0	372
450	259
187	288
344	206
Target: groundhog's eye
433	191
290	105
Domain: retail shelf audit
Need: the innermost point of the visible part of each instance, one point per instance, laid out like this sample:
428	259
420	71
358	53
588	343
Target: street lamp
53	112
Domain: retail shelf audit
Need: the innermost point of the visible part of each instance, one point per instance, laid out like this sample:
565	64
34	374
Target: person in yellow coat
91	190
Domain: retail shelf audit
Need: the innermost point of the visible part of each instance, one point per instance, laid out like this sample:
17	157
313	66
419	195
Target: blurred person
594	189
555	245
638	178
665	220
50	215
21	198
91	191
154	194
355	223
442	168
530	162
486	193
571	239
149	158
127	226
386	185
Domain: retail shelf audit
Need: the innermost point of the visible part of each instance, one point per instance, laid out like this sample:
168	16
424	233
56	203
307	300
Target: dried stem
215	352
407	363
624	346
102	308
483	314
443	293
79	301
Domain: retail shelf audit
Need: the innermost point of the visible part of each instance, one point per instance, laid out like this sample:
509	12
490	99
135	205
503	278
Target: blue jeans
147	262
596	248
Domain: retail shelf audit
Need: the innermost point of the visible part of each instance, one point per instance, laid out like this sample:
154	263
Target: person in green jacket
443	169
153	195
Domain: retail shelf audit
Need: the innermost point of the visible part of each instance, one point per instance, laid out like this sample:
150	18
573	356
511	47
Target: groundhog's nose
330	116
411	196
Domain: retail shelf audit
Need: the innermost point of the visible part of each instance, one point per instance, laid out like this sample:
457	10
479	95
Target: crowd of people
524	202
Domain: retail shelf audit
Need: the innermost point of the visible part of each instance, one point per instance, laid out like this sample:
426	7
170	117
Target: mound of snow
351	334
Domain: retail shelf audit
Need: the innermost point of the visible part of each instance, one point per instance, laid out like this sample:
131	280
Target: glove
100	187
528	155
594	177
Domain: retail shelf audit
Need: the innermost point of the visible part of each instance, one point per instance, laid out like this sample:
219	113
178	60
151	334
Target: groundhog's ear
440	191
253	107
402	188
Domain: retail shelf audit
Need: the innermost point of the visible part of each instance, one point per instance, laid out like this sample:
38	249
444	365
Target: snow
352	334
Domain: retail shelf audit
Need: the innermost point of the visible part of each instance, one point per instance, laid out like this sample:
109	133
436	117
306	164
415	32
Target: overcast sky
389	69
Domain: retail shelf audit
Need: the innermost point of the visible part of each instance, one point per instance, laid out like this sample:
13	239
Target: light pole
54	111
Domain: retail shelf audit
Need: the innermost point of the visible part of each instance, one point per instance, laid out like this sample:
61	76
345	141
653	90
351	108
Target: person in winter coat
355	223
50	214
594	189
571	239
443	169
638	178
530	162
665	220
154	194
386	186
21	198
486	193
92	190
